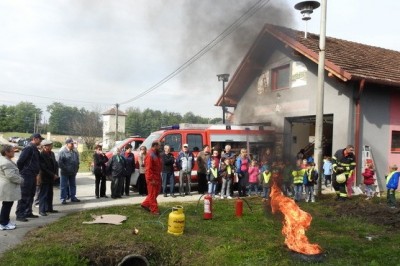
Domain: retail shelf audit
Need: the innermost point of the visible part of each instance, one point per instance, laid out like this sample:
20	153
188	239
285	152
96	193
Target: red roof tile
345	59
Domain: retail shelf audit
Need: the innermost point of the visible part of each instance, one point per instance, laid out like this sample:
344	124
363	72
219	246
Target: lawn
356	232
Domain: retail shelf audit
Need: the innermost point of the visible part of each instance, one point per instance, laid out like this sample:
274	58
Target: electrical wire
231	28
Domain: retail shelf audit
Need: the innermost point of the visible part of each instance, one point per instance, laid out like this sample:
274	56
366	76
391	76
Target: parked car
13	139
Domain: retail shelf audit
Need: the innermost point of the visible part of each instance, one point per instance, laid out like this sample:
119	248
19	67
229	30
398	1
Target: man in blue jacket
184	163
68	162
392	182
29	166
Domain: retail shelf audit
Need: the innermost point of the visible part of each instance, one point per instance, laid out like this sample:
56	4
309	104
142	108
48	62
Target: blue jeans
168	178
68	181
226	187
266	191
252	187
211	188
298	191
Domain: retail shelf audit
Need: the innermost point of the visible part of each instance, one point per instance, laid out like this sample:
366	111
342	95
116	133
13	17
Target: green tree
24	117
61	118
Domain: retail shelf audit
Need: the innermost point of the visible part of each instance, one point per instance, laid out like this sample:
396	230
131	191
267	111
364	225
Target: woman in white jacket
10	189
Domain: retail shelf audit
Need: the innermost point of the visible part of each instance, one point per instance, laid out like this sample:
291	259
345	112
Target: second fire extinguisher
207	207
239	207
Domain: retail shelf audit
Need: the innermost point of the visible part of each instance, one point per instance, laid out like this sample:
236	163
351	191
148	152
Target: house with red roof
276	84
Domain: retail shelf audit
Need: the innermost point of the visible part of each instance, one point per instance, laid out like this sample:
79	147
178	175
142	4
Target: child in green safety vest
298	175
212	178
310	180
265	177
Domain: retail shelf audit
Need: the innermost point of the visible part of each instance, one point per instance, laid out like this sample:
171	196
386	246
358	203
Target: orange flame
296	222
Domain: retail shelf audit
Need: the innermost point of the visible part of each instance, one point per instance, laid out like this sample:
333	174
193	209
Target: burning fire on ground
296	222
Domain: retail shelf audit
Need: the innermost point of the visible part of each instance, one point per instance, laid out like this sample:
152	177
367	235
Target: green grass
254	239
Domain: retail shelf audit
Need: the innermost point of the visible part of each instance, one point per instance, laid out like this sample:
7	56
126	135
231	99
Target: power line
231	28
46	97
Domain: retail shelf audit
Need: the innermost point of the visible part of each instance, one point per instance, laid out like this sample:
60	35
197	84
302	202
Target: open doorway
301	135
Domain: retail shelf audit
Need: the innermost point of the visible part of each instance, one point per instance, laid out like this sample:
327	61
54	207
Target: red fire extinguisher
207	207
239	207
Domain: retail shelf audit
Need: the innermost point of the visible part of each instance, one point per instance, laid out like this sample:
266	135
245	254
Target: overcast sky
96	53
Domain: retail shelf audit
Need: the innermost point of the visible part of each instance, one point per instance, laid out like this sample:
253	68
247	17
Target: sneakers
75	200
222	197
9	226
229	197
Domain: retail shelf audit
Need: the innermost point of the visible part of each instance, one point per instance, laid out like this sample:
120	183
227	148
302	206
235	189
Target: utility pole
116	121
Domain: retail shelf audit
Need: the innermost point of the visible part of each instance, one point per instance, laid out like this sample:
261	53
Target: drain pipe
357	131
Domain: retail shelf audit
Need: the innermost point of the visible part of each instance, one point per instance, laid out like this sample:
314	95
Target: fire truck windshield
149	140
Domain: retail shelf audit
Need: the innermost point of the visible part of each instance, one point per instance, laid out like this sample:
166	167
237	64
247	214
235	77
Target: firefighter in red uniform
153	178
343	162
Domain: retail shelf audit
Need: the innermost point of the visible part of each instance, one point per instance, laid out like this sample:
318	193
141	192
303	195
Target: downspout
357	131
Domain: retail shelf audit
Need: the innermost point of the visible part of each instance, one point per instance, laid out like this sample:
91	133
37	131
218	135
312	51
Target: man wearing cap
28	165
185	162
68	162
48	173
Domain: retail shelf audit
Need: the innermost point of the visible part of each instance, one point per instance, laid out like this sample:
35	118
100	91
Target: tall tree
87	124
61	118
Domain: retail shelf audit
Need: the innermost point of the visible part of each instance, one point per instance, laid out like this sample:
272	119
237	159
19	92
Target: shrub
57	144
86	158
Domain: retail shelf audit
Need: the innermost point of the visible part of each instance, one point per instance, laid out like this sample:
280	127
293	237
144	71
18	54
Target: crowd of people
219	173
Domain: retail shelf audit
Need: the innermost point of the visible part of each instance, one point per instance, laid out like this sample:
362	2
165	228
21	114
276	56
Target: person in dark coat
167	174
48	173
28	166
130	169
99	161
117	167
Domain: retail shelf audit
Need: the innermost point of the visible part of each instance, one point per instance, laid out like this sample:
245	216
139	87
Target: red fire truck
256	138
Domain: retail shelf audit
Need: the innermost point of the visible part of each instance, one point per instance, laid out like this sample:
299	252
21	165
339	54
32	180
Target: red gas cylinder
207	207
239	207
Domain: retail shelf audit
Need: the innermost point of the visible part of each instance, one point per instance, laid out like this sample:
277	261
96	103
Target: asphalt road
85	192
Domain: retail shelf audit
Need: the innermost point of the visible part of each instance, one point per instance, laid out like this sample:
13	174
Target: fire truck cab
255	138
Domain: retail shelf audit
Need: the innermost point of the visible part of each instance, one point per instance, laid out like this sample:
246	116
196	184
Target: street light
319	115
224	78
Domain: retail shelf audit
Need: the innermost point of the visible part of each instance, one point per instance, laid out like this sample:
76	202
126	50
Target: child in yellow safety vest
227	172
212	178
266	182
310	180
298	175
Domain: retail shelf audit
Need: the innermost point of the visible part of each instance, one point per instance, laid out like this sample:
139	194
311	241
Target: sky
157	54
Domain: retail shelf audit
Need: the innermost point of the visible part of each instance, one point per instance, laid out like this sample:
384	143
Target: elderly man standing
185	162
202	162
68	162
48	173
28	165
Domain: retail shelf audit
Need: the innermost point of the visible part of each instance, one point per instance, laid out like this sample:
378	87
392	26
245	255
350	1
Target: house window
395	141
280	77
